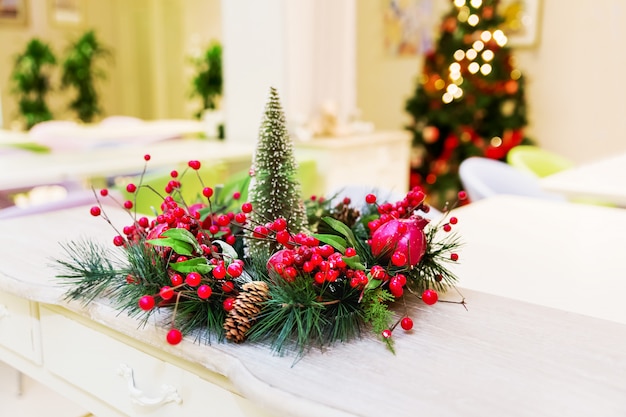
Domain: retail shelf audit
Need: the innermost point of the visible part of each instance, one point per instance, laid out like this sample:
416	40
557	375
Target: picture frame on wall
522	20
66	13
13	12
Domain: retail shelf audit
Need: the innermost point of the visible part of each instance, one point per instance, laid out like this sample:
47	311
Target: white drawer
132	381
19	326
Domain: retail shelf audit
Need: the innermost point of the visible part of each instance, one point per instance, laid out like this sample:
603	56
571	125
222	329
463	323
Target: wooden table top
531	341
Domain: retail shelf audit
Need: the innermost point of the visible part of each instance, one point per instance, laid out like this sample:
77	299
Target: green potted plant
31	81
80	72
207	84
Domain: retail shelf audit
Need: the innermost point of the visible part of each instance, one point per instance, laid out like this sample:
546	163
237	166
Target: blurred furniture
535	326
601	180
379	159
537	161
484	177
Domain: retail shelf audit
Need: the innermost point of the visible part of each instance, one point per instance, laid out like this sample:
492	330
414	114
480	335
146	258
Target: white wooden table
602	180
544	333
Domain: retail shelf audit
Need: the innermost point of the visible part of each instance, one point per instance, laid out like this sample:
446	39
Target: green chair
537	161
542	163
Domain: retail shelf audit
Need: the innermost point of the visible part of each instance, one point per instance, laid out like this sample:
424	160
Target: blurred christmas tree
469	99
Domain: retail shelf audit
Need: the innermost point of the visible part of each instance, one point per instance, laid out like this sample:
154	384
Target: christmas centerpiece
253	261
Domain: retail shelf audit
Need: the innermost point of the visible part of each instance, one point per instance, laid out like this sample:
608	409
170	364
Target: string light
440	84
473	20
485	36
447	98
478	45
496	141
500	37
485	69
516	74
459	55
488	55
476	3
459	3
471	54
464	13
473	67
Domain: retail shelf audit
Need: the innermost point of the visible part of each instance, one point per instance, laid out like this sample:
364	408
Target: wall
151	40
575	89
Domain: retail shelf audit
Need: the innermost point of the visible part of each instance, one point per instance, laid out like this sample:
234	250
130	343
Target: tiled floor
35	400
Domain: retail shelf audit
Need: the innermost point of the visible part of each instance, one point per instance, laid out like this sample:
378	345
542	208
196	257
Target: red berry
406	323
223	220
128	204
219	272
176	280
290	274
193	279
194	164
462	195
454	220
174	173
234	269
236	195
240	218
283	237
370	199
146	302
346	200
131	188
447	227
118	240
430	297
350	252
174	337
228	286
146	157
95	211
246	207
454	256
386	333
143	222
398	259
166	292
207	192
229	303
104	192
204	291
279	224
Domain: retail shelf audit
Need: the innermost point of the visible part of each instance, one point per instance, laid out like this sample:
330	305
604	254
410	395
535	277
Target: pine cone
346	214
247	307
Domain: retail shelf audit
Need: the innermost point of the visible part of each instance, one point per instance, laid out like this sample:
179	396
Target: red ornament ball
430	297
174	337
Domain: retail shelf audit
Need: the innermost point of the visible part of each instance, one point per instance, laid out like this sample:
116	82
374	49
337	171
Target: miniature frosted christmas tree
274	188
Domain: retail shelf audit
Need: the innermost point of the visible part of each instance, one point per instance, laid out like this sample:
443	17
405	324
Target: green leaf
183	235
199	265
354	262
342	229
180	247
335	241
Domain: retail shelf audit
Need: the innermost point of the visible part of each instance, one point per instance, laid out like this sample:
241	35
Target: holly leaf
178	246
199	265
354	262
183	235
342	229
335	241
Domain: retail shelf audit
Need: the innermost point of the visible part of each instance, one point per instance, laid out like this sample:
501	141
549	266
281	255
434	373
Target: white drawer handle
168	392
4	311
